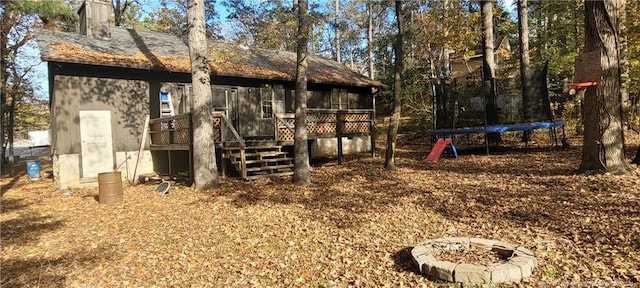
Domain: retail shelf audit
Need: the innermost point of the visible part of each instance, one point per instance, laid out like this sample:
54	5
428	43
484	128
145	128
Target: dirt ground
353	227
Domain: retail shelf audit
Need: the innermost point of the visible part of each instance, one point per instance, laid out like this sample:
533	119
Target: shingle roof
159	51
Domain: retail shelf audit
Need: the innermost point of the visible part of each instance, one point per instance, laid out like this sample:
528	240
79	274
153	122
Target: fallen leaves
352	227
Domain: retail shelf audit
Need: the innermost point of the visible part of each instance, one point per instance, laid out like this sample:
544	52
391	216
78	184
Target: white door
96	143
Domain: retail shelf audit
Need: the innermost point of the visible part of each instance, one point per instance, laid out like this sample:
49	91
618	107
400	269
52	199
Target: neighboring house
466	104
104	82
463	68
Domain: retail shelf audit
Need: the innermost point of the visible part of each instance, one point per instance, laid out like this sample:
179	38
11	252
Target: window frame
266	103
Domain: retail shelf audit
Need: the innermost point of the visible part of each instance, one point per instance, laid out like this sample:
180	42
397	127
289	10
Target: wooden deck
261	158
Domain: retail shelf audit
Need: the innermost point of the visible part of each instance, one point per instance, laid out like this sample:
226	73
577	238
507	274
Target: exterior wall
66	168
128	101
328	147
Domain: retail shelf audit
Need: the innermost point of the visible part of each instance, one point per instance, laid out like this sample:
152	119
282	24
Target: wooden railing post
339	134
276	127
243	163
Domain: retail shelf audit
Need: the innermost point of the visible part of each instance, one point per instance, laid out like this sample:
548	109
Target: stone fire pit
516	262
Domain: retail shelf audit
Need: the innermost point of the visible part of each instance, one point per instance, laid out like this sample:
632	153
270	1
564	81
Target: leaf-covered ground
353	227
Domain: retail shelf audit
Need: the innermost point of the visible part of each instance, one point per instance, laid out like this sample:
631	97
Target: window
266	98
339	99
219	98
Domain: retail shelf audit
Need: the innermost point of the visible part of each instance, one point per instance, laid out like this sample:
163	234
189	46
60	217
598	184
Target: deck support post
372	133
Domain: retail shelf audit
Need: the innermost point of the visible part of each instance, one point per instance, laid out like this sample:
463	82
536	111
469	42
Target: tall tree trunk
5	27
624	56
445	104
603	147
389	159
301	173
11	136
489	67
337	31
372	73
525	63
204	156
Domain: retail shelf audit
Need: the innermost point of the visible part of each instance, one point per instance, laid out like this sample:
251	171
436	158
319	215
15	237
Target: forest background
357	33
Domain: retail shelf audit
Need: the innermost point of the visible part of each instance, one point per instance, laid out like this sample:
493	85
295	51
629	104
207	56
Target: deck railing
222	122
174	131
327	123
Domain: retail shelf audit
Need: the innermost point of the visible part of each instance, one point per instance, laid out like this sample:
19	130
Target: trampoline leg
486	141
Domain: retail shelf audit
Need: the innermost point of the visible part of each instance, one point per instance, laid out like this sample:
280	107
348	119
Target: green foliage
270	24
53	14
171	17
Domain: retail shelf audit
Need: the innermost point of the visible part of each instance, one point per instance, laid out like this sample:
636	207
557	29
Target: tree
204	161
170	18
489	67
389	159
17	22
372	68
269	25
525	63
440	33
338	27
119	10
603	147
301	173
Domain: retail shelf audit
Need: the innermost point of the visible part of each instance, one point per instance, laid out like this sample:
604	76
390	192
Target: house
105	81
462	69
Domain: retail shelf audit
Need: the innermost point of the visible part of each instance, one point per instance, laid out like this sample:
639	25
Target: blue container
33	169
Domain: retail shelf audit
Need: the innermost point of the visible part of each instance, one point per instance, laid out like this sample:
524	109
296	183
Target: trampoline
501	128
462	108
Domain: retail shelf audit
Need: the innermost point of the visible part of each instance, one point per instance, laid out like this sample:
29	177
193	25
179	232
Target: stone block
525	263
521	251
454	243
442	270
421	261
469	273
502	273
504	249
421	249
482	243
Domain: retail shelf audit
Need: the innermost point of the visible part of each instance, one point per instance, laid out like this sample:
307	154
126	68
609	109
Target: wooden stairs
253	162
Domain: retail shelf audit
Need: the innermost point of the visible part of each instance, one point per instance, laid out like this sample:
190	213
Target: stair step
260	156
269	147
258	176
267	160
268	168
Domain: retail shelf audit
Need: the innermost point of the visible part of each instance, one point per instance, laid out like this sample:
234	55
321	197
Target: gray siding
128	101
